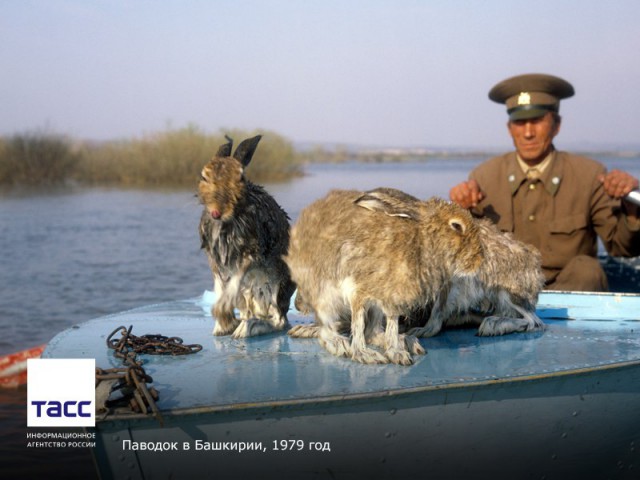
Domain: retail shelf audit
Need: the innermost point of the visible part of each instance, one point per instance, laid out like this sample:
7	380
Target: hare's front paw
219	330
251	328
368	356
412	344
494	325
429	330
277	320
304	331
398	356
225	322
334	343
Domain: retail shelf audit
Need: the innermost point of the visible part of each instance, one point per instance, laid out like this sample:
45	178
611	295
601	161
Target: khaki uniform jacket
561	214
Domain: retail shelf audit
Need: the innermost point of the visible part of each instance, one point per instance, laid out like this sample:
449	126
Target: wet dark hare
245	234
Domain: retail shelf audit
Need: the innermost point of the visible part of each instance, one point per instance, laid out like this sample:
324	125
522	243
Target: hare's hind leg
360	352
374	328
395	346
223	310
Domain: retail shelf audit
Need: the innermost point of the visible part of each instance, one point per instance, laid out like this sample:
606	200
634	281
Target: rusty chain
131	380
152	344
131	383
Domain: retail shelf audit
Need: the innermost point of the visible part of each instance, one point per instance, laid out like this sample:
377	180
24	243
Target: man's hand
466	194
617	184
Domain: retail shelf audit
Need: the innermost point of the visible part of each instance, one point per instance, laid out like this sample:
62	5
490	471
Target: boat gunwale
249	406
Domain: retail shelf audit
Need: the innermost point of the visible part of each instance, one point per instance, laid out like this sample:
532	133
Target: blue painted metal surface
554	404
605	330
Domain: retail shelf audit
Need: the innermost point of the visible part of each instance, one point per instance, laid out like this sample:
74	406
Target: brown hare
361	261
500	297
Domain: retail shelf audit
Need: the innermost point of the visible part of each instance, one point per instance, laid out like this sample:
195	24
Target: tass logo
69	409
61	392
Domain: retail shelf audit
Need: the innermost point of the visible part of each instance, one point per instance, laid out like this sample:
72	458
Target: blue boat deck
585	332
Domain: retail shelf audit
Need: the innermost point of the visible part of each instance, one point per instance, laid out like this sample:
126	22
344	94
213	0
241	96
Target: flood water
67	257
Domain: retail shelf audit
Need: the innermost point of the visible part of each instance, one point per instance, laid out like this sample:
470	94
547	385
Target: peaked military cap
531	95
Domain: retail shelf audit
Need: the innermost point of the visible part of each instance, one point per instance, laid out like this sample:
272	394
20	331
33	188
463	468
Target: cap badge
524	98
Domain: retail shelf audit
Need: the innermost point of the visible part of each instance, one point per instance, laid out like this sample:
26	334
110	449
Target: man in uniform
556	201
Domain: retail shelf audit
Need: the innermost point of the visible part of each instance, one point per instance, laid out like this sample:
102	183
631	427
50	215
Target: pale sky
369	72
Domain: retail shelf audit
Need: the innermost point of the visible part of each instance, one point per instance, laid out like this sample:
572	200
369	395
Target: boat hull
583	425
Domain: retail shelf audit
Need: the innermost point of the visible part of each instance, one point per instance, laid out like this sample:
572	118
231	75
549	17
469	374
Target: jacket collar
551	178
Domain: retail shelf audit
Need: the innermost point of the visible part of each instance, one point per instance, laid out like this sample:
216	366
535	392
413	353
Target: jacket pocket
569	225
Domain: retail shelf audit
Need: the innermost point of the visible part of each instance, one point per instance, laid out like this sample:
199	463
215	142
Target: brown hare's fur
245	234
501	297
360	260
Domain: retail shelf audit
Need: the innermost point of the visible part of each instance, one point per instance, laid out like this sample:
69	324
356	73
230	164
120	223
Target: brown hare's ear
392	195
246	149
376	203
225	150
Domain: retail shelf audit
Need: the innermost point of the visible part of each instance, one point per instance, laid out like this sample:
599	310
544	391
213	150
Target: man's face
533	137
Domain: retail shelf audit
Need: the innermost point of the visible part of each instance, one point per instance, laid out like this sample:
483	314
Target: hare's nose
215	214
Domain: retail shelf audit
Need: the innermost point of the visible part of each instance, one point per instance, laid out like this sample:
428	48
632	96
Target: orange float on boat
13	367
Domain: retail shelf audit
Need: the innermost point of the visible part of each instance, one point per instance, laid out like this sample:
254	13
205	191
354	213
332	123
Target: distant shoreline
391	155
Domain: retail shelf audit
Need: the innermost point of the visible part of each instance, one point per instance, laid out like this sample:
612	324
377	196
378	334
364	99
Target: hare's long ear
376	203
225	150
392	195
246	149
